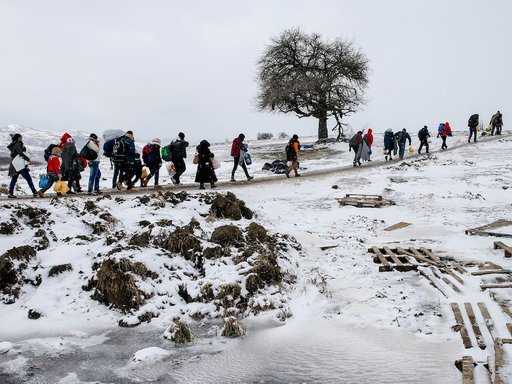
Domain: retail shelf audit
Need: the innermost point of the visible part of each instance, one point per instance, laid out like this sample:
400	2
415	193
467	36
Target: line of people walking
65	164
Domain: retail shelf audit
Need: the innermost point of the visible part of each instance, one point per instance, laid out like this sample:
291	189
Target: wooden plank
492	272
418	256
506	248
385	266
460	269
326	247
447	281
460	325
476	329
394	257
495	286
400	225
506	341
432	282
455	276
489	322
467	370
484	228
429	253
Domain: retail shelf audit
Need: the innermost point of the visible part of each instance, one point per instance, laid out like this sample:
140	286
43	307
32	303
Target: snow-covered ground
350	323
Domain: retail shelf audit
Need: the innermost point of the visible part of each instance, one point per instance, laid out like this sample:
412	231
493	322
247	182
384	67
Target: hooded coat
205	172
70	165
16	148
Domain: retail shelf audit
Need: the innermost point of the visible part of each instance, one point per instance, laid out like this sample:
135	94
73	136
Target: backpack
88	154
108	148
166	153
473	121
48	151
289	151
120	149
150	154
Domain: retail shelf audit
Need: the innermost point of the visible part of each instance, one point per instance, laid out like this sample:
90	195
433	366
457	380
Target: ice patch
150	355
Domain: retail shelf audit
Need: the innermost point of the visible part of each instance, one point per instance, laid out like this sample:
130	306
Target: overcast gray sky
158	67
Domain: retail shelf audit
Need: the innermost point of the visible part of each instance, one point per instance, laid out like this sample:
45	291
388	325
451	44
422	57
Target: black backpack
120	148
88	154
48	151
473	120
289	151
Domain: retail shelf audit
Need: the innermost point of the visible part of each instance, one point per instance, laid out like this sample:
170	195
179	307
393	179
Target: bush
265	136
283	135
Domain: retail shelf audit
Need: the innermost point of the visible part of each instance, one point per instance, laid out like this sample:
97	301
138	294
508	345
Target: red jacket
235	148
447	129
54	165
369	137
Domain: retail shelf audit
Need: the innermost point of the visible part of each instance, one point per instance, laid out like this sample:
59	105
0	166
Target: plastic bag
44	181
215	164
61	187
145	172
196	159
247	158
19	163
171	169
411	150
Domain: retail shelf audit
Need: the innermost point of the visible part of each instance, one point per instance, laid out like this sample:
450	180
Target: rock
33	314
179	332
116	286
283	314
150	355
21	253
58	269
182	241
5	347
335	187
267	269
147	316
232	328
98	228
144	223
8	276
257	232
229	207
253	283
226	235
140	239
7	228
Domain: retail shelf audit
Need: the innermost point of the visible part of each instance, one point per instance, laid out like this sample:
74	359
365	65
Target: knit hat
93	136
156	141
181	135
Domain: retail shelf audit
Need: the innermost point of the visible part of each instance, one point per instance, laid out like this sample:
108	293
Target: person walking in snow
19	165
423	136
91	152
205	171
367	145
496	123
153	160
52	168
237	150
178	155
123	157
443	131
389	144
473	124
356	144
401	139
292	156
71	165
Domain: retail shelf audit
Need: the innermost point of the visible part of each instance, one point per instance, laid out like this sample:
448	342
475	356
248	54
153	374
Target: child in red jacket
53	168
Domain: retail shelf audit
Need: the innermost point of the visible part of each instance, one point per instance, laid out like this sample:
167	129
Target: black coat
205	172
16	148
70	162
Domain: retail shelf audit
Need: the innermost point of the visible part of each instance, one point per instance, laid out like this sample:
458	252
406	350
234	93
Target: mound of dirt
253	283
8	276
21	253
213	253
226	235
115	284
232	328
8	228
230	207
58	269
267	269
257	232
43	241
140	239
182	241
35	217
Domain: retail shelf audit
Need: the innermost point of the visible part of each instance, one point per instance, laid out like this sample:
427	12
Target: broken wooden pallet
507	250
401	259
484	230
467	370
460	326
364	201
483	287
476	329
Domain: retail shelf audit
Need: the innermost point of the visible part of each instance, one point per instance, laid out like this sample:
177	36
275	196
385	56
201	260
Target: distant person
71	165
423	136
53	170
496	123
389	144
91	152
153	160
367	145
237	149
473	124
292	156
179	154
356	144
205	171
401	139
443	134
19	165
134	172
123	157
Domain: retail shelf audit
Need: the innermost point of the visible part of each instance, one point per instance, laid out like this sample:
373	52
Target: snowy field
345	321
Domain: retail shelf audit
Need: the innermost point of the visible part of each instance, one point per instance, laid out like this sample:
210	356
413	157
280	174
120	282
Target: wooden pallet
403	259
484	230
364	201
506	248
400	225
467	370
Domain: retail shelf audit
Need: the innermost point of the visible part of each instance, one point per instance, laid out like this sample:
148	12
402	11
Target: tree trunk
322	129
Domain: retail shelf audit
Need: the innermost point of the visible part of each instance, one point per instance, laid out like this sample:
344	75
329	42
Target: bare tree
302	74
